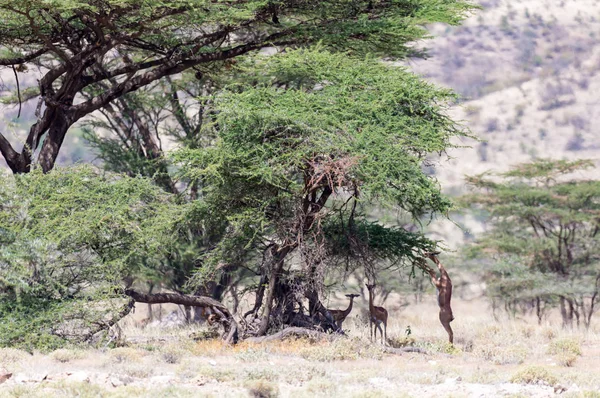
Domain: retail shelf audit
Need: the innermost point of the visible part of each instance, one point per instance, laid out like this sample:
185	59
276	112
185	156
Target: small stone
559	389
199	380
115	382
212	362
126	380
4	375
432	363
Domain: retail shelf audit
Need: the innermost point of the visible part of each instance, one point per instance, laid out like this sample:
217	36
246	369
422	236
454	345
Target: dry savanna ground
490	358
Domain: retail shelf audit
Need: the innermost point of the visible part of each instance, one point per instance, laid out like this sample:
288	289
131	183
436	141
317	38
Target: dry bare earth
488	356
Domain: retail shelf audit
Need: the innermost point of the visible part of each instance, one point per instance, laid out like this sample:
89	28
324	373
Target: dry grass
67	355
486	355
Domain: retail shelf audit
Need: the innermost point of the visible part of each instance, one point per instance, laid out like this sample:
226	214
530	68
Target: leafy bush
567	351
68	239
534	375
564	345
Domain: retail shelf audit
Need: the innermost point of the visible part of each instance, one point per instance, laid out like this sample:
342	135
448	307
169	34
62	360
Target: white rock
573	389
115	382
379	381
78	376
30	378
162	380
121	380
212	362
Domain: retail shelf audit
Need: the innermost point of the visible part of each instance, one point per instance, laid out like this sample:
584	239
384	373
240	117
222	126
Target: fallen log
223	316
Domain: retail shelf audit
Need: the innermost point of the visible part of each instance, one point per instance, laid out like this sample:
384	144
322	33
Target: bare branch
24	59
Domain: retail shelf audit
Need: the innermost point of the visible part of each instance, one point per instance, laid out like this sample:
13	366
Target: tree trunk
278	261
54	140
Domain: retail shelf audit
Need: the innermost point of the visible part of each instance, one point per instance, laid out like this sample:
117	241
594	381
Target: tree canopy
544	235
282	156
298	152
108	48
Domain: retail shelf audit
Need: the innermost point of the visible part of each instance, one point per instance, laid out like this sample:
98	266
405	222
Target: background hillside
528	73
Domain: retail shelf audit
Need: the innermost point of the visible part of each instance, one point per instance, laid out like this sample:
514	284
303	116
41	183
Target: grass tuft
534	375
124	354
342	349
64	355
263	389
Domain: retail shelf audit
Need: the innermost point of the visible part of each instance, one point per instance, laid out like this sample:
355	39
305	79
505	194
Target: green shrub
565	346
263	389
534	375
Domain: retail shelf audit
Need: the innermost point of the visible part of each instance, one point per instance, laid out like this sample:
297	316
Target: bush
263	389
9	356
124	354
172	353
566	350
534	375
565	346
66	355
402	341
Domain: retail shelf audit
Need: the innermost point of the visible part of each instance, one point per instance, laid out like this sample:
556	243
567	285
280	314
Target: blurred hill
528	72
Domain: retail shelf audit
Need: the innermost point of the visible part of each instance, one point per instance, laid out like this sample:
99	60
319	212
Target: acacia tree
113	47
70	242
545	234
297	153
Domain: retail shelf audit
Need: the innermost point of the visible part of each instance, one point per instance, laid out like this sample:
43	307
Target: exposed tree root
224	317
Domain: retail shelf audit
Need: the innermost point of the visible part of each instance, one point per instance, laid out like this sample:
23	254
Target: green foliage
544	236
362	26
68	240
316	122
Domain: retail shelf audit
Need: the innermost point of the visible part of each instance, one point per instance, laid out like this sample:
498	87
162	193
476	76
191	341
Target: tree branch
23	59
11	156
